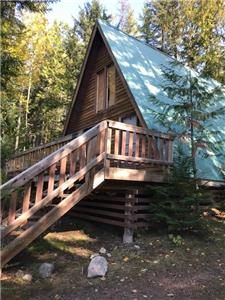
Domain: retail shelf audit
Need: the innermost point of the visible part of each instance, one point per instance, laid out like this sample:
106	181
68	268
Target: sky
65	10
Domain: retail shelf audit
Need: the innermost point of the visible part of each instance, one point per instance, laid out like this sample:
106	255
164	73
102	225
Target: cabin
111	149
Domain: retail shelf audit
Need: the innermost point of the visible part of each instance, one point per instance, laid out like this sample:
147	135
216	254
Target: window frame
107	84
105	88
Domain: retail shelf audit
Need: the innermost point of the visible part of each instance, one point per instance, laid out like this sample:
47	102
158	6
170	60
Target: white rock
97	267
137	247
46	270
19	273
102	250
27	277
94	255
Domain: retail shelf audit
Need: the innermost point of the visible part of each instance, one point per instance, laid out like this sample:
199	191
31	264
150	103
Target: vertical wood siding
84	114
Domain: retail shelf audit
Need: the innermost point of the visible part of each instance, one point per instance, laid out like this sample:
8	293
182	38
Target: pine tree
194	104
87	17
161	25
173	204
191	31
127	22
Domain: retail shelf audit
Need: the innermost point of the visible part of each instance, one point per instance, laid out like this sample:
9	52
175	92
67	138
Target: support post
129	219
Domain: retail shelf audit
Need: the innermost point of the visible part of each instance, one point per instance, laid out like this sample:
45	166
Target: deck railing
126	143
130	143
23	160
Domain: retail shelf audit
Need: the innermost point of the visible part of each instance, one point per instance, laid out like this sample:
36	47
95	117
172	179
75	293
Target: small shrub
176	239
176	204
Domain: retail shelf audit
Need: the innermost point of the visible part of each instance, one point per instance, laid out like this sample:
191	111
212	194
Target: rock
94	255
28	277
109	254
102	250
97	267
137	247
19	273
46	270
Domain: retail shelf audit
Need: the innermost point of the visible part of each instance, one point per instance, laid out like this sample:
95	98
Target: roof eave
80	78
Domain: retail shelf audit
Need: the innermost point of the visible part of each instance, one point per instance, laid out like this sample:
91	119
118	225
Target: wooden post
108	140
39	190
128	229
12	207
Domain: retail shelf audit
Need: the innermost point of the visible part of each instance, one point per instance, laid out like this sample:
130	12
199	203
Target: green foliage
87	17
176	239
175	205
191	31
127	22
193	107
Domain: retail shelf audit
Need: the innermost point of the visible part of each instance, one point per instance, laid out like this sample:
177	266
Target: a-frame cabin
109	152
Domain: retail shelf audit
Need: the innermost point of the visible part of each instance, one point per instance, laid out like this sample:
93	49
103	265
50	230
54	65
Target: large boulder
97	267
46	270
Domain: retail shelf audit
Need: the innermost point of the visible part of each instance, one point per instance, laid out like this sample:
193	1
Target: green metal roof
141	66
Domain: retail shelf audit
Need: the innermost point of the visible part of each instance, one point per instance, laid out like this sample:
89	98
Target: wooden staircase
79	166
36	198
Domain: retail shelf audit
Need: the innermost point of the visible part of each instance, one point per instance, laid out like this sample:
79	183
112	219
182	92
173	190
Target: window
100	103
106	88
111	85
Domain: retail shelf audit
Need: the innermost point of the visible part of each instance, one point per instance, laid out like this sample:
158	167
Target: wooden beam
137	159
134	175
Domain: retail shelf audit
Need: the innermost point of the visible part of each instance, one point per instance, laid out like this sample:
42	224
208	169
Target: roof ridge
138	40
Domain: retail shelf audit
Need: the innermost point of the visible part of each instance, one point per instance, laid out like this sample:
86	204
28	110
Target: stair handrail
45	163
47	199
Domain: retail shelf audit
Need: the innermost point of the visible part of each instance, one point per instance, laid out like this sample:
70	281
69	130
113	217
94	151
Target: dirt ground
191	267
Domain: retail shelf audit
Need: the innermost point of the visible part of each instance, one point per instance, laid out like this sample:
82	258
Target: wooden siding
84	111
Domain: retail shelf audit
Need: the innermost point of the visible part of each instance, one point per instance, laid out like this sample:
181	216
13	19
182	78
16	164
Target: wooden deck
129	144
108	152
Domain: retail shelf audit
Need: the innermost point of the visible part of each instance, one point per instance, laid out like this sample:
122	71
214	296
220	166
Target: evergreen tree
193	107
161	24
191	31
127	22
173	204
87	17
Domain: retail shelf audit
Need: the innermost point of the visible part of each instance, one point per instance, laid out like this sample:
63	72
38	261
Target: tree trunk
18	127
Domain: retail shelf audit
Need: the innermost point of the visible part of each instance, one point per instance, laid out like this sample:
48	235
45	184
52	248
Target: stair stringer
30	234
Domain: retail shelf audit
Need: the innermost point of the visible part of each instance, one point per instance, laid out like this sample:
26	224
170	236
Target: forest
41	62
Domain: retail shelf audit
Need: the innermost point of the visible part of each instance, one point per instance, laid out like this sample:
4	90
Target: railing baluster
161	148
137	144
130	144
124	142
51	179
39	189
143	145
116	142
170	151
102	141
26	197
83	155
73	161
108	140
12	207
62	170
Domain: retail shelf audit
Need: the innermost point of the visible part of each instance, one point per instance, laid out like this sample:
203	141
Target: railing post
12	207
170	151
108	140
